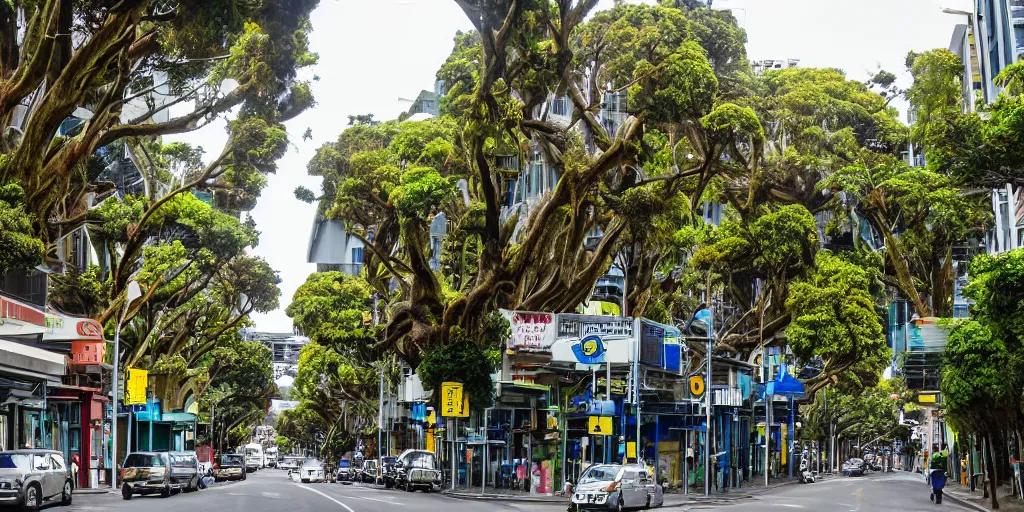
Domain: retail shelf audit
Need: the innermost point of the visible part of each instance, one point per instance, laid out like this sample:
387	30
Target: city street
875	492
272	491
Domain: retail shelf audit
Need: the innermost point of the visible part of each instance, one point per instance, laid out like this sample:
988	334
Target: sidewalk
672	498
962	495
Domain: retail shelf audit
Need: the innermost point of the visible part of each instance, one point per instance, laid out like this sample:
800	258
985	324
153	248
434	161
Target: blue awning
786	385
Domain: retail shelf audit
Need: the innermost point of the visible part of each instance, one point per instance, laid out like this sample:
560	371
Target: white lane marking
374	499
344	506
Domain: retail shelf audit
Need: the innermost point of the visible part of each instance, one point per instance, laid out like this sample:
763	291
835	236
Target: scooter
806	475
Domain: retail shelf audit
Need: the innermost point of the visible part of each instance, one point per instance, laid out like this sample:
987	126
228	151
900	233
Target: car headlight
10	484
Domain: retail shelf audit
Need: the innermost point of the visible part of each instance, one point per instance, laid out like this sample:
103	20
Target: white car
616	487
312	471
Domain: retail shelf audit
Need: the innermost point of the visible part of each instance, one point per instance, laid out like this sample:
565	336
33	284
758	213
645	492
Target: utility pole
707	398
131	293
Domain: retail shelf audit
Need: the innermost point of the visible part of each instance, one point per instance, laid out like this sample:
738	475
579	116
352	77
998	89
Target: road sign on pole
600	425
135	386
454	403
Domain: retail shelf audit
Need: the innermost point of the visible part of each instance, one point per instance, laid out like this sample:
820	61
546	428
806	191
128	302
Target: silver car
30	477
616	487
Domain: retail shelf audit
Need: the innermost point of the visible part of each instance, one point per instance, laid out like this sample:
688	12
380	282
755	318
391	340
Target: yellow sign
600	425
926	399
135	386
697	385
454	404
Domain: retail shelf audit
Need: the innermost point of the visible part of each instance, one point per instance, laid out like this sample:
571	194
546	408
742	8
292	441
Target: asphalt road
872	493
272	491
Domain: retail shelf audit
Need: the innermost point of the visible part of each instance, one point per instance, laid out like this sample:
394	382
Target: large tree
388	181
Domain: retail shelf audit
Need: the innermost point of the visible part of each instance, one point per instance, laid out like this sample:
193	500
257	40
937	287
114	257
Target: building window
559	106
357	255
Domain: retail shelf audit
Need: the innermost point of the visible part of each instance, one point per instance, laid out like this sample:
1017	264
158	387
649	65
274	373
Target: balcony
352	269
25	286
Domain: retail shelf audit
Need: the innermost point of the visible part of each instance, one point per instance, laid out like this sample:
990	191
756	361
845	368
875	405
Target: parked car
342	473
185	470
28	478
386	472
147	473
290	464
312	470
417	469
853	467
355	471
230	467
369	472
616	487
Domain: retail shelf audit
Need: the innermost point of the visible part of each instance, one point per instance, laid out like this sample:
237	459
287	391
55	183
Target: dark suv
185	470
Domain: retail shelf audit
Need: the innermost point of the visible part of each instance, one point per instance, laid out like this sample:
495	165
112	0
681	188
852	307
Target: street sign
135	386
697	385
600	425
454	403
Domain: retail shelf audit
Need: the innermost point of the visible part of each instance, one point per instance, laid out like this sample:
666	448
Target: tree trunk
993	480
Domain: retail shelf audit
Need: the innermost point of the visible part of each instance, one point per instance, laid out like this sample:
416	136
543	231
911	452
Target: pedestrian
74	470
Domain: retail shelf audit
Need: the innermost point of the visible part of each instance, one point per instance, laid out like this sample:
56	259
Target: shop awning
786	385
178	417
25	361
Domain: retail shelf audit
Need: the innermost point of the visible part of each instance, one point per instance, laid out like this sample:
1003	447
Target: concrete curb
88	492
964	503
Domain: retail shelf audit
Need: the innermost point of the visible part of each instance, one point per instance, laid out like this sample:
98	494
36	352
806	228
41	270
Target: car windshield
143	460
600	474
420	460
15	460
344	464
370	464
231	460
854	461
180	460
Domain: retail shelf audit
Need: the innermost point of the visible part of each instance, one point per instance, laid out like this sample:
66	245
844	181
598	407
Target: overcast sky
374	52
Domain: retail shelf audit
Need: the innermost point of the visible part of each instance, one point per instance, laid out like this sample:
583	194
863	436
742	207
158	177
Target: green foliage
680	88
974	379
333	309
78	292
461	360
19	247
834	319
304	194
421	191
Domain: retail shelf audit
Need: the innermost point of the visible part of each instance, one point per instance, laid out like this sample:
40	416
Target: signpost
135	387
454	403
600	425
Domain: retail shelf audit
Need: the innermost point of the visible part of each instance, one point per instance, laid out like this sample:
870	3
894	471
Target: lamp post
133	292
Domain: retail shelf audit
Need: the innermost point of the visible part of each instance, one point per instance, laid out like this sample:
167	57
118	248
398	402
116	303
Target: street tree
503	80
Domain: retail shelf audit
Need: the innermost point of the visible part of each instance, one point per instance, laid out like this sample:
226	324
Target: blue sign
589	350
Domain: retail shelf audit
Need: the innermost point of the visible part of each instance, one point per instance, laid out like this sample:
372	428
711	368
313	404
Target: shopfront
26	372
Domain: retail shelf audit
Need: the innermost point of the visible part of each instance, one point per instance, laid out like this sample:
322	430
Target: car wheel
126	492
409	487
33	498
65	497
648	505
620	508
166	491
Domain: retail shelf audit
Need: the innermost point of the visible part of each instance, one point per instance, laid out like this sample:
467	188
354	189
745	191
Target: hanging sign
600	425
589	350
136	384
454	403
697	385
